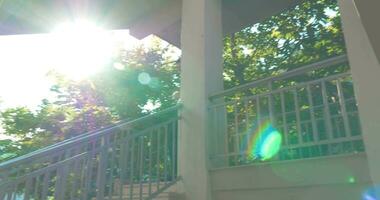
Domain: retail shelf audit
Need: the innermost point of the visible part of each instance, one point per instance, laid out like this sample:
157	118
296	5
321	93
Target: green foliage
78	109
8	149
307	33
126	94
19	121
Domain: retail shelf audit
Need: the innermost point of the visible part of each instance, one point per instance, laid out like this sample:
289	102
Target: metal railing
130	160
312	108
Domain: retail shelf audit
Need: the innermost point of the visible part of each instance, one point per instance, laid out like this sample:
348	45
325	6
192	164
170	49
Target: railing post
312	113
101	173
271	104
342	104
123	160
326	111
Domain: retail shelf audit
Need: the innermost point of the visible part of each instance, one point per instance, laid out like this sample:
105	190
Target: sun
79	48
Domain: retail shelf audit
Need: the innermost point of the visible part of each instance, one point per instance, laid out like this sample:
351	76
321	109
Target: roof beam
240	14
158	21
367	11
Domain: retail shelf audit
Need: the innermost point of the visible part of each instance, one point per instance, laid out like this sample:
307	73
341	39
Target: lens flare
372	193
264	143
351	179
144	78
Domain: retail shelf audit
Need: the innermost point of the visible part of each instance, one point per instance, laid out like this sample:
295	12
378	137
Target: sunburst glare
80	48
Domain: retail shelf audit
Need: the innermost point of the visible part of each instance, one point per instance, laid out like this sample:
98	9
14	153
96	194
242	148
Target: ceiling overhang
141	17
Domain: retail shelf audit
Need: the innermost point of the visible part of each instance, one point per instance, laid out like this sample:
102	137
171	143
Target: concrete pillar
365	68
201	75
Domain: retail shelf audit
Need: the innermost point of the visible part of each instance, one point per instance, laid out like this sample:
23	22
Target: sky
25	61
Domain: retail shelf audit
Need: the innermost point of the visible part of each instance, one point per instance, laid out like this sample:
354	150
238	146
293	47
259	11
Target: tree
78	109
141	80
20	122
307	33
22	126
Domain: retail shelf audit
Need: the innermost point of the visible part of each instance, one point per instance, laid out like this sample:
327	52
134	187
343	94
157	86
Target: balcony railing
130	160
304	113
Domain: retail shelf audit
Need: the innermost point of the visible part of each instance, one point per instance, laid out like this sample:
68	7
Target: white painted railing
311	111
130	160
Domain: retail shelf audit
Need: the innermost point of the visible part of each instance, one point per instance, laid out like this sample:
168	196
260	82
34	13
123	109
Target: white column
201	75
365	68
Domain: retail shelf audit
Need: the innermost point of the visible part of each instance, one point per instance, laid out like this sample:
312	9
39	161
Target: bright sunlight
80	48
75	49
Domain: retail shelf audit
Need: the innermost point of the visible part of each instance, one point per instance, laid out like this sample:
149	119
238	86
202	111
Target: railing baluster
343	109
3	194
12	191
236	135
150	161
28	185
158	159
102	166
214	128
141	166
59	184
110	181
298	118
35	187
76	173
174	158
326	108
65	179
258	112
123	161
45	185
81	177
8	195
90	168
312	113
226	135
131	175
271	104
284	119
166	154
246	116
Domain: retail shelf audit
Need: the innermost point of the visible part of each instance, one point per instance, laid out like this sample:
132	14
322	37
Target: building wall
335	178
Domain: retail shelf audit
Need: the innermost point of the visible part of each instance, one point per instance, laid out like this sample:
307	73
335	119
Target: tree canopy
307	33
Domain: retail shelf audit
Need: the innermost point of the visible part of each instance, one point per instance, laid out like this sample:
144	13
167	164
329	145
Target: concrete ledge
337	176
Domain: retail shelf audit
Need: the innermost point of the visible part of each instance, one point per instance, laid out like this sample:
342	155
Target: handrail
301	70
85	136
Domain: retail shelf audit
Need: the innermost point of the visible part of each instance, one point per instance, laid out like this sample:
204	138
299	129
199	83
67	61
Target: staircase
158	191
129	160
